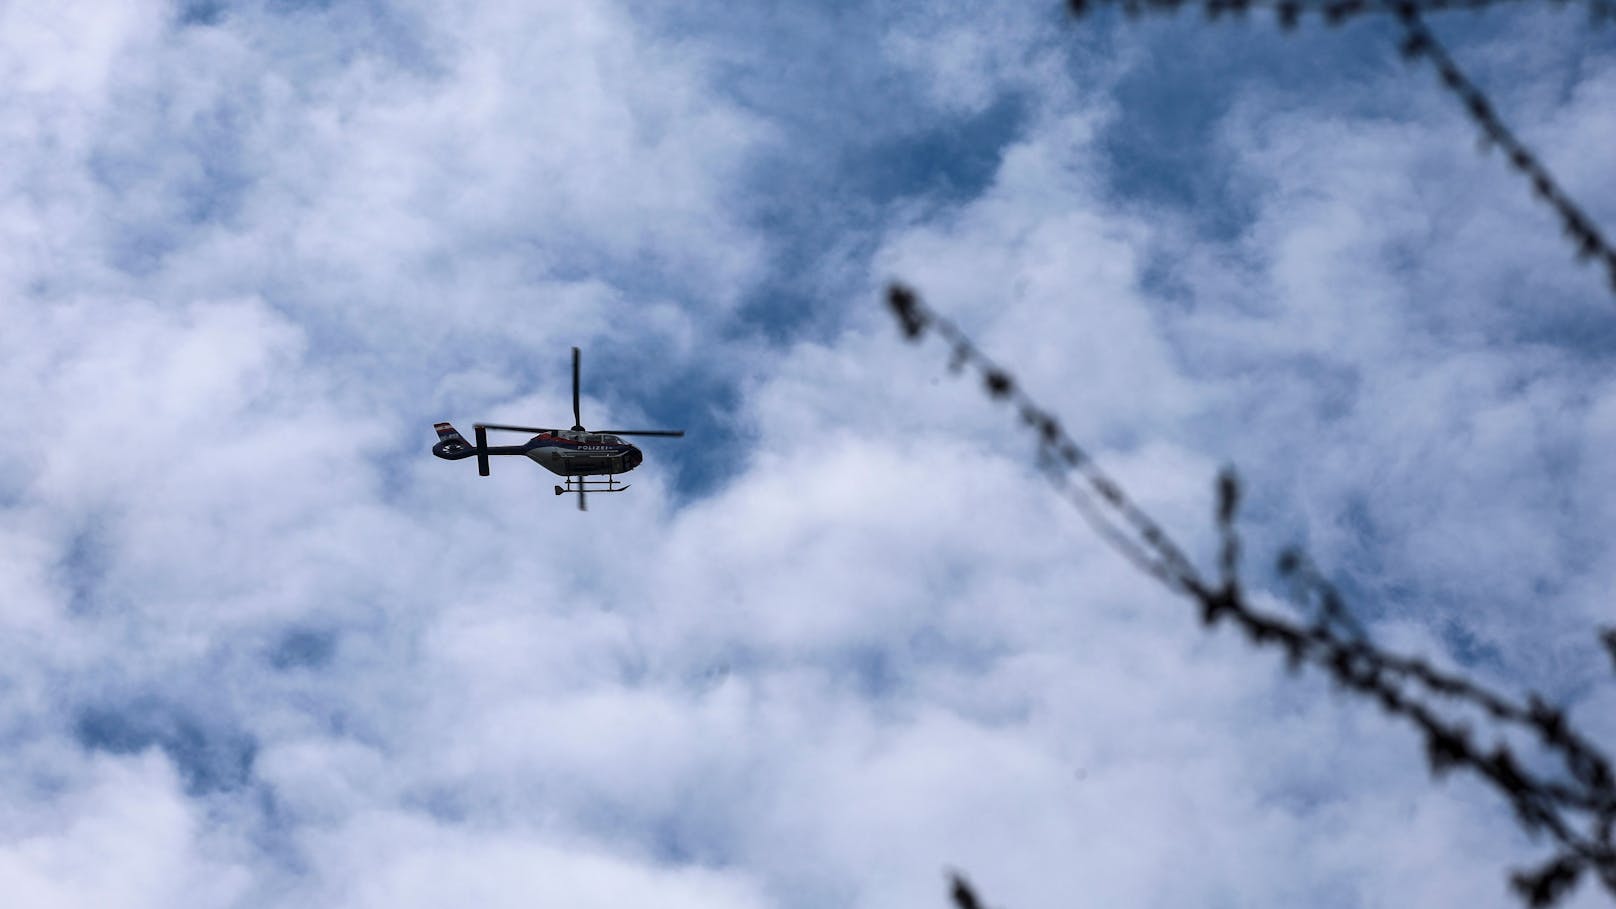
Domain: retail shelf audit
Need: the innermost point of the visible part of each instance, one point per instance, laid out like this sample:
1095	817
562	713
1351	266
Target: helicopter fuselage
582	454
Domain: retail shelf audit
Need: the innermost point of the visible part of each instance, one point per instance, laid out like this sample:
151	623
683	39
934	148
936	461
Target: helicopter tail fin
452	446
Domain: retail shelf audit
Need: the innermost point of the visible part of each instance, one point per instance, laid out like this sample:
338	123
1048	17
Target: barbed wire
959	889
1418	43
1576	809
1290	13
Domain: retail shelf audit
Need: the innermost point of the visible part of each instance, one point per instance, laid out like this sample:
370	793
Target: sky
263	650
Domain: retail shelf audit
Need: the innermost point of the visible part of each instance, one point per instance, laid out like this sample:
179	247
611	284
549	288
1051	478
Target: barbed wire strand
1576	811
959	889
1419	43
1150	550
1290	13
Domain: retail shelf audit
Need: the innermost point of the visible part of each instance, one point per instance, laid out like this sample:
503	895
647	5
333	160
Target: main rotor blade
676	433
482	450
507	428
577	421
581	505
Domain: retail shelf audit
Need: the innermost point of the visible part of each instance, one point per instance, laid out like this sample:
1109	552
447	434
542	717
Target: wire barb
963	895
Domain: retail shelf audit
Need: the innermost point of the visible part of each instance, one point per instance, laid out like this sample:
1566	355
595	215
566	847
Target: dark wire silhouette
1334	12
1575	808
1418	43
960	890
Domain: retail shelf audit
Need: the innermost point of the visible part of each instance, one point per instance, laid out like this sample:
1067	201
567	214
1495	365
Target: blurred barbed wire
1419	43
1334	12
1575	808
960	890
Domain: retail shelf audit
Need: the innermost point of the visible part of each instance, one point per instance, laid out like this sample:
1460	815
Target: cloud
266	651
428	865
123	834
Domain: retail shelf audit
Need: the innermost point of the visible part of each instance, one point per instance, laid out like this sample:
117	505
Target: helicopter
579	455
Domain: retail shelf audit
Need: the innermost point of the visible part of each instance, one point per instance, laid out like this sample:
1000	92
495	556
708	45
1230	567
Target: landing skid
582	485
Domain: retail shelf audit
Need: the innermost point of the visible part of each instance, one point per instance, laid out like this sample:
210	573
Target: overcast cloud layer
264	650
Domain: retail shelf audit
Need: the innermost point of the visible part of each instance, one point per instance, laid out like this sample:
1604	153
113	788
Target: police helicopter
579	455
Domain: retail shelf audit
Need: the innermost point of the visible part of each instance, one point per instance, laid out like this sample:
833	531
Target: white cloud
122	835
392	860
267	652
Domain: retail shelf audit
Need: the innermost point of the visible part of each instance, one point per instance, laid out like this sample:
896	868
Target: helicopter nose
634	457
